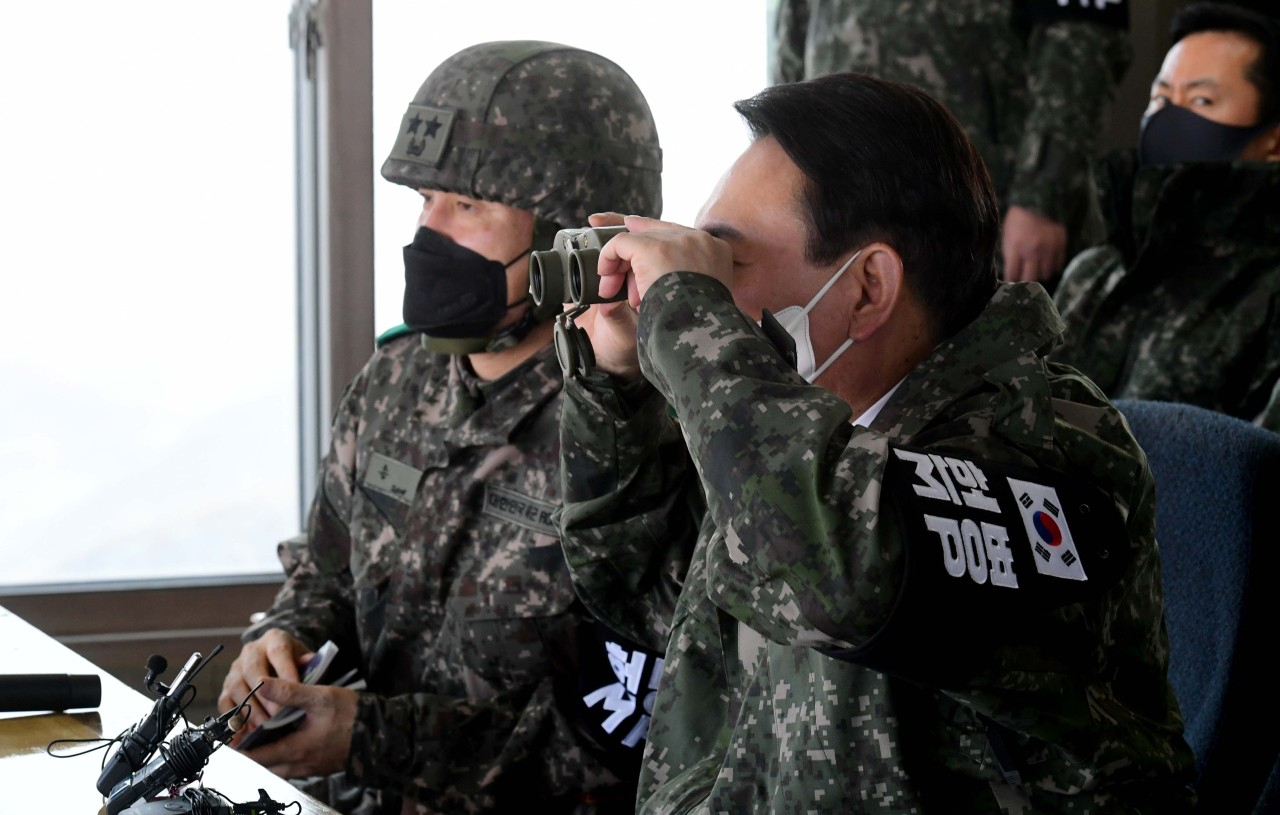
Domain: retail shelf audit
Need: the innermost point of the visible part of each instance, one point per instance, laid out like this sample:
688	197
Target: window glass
692	60
147	324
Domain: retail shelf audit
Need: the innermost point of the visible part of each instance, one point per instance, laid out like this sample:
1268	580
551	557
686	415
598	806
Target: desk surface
33	781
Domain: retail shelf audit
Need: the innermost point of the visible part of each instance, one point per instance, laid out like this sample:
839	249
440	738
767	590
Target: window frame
117	624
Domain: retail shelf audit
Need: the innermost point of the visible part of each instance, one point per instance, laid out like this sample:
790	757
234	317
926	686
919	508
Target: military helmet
548	128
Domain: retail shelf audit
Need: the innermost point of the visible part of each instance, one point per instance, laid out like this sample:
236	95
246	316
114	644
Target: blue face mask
1175	134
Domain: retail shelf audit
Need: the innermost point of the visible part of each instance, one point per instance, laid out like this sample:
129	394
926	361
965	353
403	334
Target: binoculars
566	273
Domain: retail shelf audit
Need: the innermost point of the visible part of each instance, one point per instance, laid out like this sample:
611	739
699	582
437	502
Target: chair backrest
1218	529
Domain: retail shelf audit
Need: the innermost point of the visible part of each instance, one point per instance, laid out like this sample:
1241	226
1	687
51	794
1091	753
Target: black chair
1218	530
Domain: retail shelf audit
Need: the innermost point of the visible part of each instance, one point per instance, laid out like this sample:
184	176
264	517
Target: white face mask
796	321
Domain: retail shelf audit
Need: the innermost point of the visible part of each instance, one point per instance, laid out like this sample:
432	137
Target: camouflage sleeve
630	508
1073	70
788	27
457	755
802	554
1081	291
1083	283
315	603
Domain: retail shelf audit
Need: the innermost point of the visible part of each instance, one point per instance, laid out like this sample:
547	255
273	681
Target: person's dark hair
1264	73
885	161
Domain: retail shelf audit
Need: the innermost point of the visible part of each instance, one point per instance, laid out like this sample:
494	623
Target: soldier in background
1182	303
928	585
1028	80
430	556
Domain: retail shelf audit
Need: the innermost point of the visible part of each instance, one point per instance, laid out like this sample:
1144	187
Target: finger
226	699
611	284
284	693
272	695
233	694
1040	264
282	658
614	261
1014	267
619	314
605	219
231	684
274	754
639	223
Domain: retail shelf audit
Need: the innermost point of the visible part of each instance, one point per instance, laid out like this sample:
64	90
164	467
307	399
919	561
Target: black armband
611	694
1111	13
988	549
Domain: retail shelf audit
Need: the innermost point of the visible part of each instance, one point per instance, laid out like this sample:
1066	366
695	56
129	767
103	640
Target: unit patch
424	133
392	479
990	546
1009	529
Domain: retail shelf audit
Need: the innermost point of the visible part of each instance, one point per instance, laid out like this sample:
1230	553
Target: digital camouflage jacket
1002	684
431	558
1028	79
1183	302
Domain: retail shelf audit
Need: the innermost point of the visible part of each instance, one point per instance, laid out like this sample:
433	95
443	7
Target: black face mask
1174	134
451	291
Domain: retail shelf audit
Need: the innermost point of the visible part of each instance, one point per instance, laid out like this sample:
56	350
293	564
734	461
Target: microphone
176	765
156	665
31	692
140	743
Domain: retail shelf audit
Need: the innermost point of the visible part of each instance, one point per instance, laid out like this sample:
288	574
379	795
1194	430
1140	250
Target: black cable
182	755
207	801
48	748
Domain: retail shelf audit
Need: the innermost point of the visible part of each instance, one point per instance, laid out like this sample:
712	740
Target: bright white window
148	422
692	60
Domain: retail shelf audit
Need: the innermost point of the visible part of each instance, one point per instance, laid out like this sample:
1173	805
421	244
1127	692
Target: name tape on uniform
522	510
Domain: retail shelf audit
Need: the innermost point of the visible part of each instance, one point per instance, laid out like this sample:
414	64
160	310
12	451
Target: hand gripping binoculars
566	273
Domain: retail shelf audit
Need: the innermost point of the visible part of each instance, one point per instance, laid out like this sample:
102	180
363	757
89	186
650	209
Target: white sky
147	317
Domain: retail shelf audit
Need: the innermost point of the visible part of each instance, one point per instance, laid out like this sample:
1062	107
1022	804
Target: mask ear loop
843	347
848	341
827	286
508	265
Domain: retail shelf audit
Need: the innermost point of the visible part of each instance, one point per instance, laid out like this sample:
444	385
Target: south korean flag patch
1047	530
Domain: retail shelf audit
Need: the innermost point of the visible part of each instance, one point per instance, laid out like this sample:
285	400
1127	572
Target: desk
32	781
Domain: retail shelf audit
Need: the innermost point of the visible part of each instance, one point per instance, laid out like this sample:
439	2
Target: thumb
277	693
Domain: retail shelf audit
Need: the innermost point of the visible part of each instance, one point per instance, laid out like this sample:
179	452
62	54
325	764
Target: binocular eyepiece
566	273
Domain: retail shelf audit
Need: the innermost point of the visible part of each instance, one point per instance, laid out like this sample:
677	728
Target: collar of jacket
489	413
1202	206
1002	351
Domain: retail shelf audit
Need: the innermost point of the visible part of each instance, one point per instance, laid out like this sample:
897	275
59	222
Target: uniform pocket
513	626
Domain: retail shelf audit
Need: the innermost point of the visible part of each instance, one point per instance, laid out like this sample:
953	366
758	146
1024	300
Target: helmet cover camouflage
548	128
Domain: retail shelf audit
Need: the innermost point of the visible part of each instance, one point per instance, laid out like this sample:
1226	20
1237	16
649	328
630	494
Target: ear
878	273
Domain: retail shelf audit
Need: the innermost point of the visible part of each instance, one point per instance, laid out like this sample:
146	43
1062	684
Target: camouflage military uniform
1029	92
1183	303
431	556
796	563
